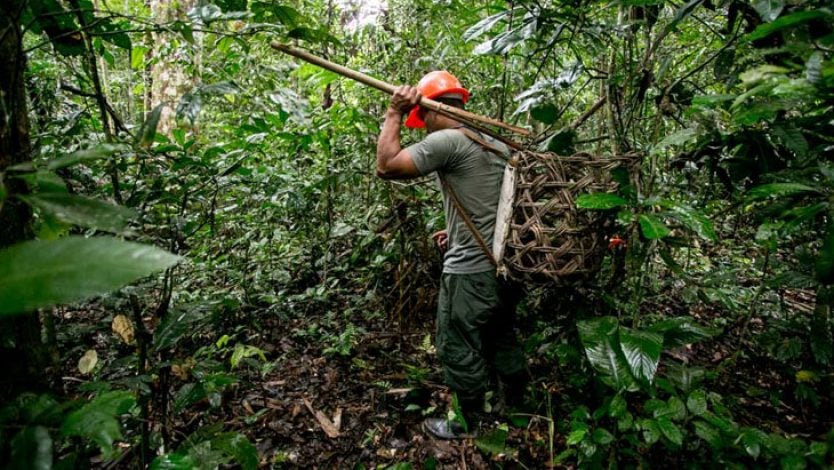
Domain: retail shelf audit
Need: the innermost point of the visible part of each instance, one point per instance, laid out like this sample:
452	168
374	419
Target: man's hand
392	161
405	97
441	240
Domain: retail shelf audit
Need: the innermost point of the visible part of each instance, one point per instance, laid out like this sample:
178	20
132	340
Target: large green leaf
651	431
191	103
82	211
113	32
601	343
696	403
189	107
187	395
783	22
97	420
32	449
681	331
494	442
753	439
692	219
642	352
821	340
506	40
673	409
666	255
680	137
777	190
93	153
147	132
175	461
599	201
683	13
769	10
179	323
238	447
485	25
210	386
618	406
545	112
708	433
59	24
814	68
670	430
210	13
602	436
561	142
314	35
712	101
40	274
652	227
271	12
791	137
137	57
824	271
232	5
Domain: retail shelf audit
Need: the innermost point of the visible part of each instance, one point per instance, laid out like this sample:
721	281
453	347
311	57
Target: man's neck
444	123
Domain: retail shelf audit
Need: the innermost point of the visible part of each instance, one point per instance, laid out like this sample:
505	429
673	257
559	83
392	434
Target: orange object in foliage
434	85
616	241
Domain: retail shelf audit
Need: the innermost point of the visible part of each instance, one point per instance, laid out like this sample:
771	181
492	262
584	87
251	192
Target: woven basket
549	241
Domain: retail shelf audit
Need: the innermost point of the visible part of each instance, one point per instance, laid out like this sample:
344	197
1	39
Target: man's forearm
388	145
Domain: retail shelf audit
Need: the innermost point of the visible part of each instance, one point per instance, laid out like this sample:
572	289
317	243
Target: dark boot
514	387
444	428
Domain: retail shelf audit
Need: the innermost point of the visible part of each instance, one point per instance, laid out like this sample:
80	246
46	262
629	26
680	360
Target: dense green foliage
708	337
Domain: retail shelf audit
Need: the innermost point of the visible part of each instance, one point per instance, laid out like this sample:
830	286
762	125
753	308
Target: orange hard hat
433	85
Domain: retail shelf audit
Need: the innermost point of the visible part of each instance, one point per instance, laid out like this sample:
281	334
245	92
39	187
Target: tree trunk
169	78
26	359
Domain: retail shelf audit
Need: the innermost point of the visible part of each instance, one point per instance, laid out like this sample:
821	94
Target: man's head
440	86
435	121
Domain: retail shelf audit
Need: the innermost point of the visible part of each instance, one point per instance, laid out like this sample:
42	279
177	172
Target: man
475	338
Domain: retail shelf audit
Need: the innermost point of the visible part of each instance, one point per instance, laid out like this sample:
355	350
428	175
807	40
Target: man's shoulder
444	141
447	134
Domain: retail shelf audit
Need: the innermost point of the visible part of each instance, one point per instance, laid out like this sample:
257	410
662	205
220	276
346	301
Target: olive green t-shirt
475	176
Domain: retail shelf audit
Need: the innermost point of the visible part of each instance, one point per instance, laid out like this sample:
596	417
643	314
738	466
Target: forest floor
370	406
364	409
373	401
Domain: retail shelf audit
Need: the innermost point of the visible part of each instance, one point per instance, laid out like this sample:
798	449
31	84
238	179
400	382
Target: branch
701	66
112	112
587	114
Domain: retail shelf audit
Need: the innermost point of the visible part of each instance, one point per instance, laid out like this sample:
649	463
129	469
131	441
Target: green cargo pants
475	336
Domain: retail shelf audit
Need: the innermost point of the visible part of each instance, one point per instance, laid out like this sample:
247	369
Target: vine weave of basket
549	240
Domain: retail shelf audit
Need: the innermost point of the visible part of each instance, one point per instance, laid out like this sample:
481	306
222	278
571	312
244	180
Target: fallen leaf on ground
124	328
329	427
88	362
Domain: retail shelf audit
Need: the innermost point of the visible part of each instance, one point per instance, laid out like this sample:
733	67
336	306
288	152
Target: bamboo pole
389	88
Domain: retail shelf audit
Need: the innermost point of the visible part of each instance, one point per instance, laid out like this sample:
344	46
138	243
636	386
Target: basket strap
478	140
462	211
456	202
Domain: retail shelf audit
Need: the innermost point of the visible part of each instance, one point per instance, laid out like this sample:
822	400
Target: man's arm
392	161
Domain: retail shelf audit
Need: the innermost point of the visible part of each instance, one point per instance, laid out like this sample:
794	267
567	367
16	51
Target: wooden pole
389	88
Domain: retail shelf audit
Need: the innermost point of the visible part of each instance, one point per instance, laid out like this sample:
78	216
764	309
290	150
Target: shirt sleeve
433	153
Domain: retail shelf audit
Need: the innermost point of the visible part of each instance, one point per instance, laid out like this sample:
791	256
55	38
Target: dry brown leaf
179	372
88	362
183	369
123	327
337	420
327	426
248	407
